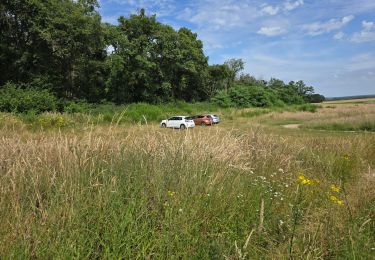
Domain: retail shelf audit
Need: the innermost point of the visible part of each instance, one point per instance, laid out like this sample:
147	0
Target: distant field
331	117
364	100
73	186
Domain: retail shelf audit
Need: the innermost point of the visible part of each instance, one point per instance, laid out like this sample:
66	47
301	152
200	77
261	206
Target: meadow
105	186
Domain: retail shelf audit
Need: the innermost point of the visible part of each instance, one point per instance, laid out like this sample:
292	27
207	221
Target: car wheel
203	124
182	127
163	125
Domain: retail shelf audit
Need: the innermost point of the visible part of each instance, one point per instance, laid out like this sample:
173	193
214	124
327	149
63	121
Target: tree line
63	47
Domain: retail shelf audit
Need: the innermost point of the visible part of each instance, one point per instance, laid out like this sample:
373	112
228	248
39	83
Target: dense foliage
62	46
249	92
15	99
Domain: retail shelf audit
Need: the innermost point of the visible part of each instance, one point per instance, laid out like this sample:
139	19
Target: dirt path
292	126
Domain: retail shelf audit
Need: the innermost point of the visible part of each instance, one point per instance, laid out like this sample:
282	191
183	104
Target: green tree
315	98
301	89
74	34
218	75
249	80
134	72
152	62
235	67
53	43
192	67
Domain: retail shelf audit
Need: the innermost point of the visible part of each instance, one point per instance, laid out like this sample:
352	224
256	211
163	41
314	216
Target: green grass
143	112
97	190
169	194
360	126
254	112
81	113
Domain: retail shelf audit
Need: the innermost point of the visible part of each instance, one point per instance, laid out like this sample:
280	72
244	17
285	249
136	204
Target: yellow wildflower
345	157
340	202
333	198
171	193
336	200
304	180
334	188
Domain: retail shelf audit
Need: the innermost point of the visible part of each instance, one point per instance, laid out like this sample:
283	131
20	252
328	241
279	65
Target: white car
181	122
215	118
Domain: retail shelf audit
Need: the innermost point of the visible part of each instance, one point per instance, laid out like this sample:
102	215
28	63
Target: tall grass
143	192
141	112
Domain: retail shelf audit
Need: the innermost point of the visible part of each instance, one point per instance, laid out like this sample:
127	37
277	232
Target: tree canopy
63	47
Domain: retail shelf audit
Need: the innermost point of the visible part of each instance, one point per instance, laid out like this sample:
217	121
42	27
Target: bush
21	99
289	96
141	111
77	106
52	120
246	96
315	98
308	107
222	99
45	120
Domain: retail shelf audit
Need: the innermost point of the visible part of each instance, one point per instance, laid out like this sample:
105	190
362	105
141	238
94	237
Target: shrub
315	98
308	107
289	96
52	120
222	99
21	99
77	106
45	120
141	111
246	96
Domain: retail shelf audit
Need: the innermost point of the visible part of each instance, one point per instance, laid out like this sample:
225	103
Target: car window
209	116
172	118
178	118
188	118
200	116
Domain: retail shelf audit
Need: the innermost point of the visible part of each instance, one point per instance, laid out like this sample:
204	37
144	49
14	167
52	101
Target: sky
329	44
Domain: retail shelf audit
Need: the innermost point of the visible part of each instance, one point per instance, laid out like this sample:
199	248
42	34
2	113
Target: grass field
353	101
72	186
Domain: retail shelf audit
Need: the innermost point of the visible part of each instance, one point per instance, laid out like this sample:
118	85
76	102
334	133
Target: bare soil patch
292	126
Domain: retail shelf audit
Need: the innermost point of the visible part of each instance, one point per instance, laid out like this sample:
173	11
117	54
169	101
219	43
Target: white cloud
272	31
286	7
244	29
339	36
368	26
290	5
319	28
220	15
366	35
271	10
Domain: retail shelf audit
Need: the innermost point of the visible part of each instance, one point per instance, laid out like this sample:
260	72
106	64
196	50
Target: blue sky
330	44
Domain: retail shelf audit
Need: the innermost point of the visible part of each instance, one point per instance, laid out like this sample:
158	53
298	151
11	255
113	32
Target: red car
202	120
